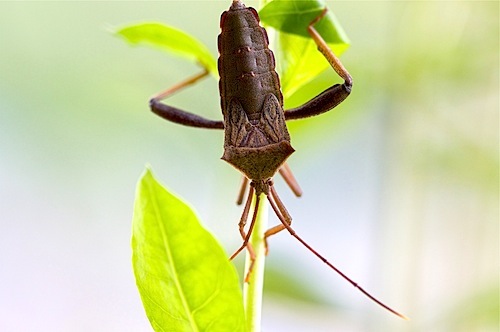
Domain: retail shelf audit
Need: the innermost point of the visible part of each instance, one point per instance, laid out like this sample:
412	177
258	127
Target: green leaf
171	40
298	60
185	279
295	16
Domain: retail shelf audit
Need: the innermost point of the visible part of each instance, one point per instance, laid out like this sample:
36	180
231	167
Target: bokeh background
400	182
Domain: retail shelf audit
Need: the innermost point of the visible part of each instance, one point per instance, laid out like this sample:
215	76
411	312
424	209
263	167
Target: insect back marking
256	139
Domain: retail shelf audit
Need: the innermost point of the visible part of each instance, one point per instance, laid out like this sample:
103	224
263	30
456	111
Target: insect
256	139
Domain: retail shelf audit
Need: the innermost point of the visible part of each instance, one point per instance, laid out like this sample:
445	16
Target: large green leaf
298	59
170	39
185	279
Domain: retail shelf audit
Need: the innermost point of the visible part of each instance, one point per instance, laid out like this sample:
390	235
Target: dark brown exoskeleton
256	139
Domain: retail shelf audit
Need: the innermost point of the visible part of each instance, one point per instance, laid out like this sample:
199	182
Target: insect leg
327	52
246	236
243	189
244	216
177	115
287	175
281	212
332	96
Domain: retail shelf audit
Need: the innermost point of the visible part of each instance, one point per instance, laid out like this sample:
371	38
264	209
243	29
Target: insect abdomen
246	65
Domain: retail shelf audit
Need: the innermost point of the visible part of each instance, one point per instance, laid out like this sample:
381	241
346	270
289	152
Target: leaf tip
147	173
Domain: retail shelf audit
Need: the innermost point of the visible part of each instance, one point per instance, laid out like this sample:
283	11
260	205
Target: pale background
400	183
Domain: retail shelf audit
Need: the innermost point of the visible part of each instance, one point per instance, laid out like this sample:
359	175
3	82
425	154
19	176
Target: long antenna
285	219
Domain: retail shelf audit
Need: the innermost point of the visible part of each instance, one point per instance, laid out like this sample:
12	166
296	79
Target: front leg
177	115
332	96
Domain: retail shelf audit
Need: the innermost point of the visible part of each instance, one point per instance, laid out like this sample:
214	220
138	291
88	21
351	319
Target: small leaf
298	59
169	39
185	279
295	16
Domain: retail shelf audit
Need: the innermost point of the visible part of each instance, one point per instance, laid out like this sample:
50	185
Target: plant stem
253	289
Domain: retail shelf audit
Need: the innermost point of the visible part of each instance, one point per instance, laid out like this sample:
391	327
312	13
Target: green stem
253	289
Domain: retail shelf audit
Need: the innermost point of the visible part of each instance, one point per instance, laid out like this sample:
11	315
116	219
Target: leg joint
347	86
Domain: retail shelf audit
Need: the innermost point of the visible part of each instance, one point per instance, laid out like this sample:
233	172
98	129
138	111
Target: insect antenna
284	217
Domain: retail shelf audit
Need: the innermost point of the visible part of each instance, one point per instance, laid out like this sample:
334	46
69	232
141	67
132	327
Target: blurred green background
400	182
